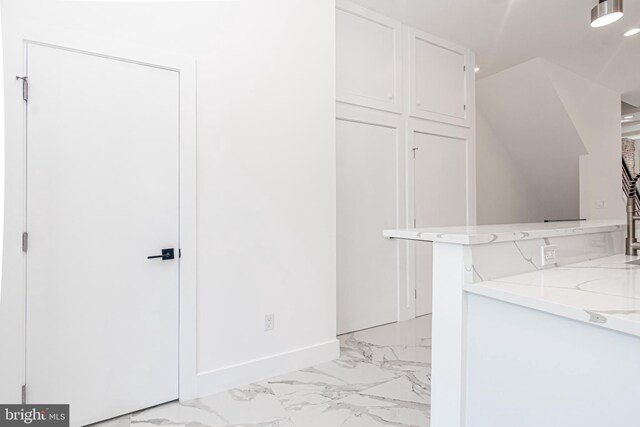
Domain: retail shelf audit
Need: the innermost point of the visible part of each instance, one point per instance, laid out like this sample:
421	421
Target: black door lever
166	254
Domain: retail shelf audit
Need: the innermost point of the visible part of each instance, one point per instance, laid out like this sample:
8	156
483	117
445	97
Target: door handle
166	254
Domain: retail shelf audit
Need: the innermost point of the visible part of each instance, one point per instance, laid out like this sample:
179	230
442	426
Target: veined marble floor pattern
382	378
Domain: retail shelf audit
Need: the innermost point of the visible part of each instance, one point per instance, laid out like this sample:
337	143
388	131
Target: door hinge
414	151
25	87
24	394
25	241
414	223
464	68
415	293
465	107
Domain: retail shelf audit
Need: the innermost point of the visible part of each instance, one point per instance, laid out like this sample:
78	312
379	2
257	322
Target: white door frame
186	68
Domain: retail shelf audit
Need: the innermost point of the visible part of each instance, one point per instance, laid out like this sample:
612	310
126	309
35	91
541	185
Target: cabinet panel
367	199
368	58
439	79
440	199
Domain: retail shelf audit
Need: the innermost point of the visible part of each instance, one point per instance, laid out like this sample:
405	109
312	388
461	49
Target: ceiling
504	33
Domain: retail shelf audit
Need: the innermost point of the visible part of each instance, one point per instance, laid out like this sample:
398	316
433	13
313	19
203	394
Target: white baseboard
264	368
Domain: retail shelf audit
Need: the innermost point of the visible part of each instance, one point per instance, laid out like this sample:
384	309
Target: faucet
631	243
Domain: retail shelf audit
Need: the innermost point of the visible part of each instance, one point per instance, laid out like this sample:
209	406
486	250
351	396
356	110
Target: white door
367	194
102	196
440	195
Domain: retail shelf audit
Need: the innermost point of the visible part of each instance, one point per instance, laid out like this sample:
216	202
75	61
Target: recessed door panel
368	59
440	75
440	79
367	192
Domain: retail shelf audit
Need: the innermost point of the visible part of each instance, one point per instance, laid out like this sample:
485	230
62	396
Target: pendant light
606	12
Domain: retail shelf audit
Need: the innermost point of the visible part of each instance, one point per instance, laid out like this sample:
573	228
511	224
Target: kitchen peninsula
516	342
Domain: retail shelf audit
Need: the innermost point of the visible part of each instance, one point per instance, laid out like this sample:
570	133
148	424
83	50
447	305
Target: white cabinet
441	77
391	77
368	58
367	189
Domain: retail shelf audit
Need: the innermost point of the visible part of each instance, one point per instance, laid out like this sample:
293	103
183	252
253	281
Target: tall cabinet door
440	199
367	199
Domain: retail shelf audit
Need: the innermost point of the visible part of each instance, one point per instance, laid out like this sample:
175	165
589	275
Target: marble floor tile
408	332
398	347
412	387
253	405
124	421
360	410
382	378
329	381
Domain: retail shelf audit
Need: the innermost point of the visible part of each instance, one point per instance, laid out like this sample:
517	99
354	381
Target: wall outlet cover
600	204
269	322
549	254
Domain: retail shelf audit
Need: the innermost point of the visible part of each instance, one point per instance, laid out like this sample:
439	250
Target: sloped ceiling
504	33
534	126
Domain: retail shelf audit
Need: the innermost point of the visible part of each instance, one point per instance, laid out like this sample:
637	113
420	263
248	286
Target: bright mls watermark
34	415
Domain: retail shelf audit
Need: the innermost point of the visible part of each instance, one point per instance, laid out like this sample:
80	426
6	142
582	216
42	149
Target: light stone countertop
483	234
603	292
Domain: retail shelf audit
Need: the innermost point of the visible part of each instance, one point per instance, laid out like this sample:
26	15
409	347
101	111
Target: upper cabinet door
441	78
368	58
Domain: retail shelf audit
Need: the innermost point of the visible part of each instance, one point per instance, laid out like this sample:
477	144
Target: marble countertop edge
591	317
485	234
610	314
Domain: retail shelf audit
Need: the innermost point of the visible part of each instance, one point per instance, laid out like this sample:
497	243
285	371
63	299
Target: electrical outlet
599	204
269	322
549	254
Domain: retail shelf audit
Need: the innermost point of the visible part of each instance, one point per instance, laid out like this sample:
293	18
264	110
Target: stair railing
627	178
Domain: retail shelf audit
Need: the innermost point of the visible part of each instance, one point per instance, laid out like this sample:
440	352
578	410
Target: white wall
548	146
595	112
266	174
504	194
529	119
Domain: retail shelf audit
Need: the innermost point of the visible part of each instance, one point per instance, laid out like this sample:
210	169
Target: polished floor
382	378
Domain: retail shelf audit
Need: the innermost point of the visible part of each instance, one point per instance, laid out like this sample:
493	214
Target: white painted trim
188	231
359	114
438	128
366	115
415	34
471	141
186	67
397	103
264	368
406	298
